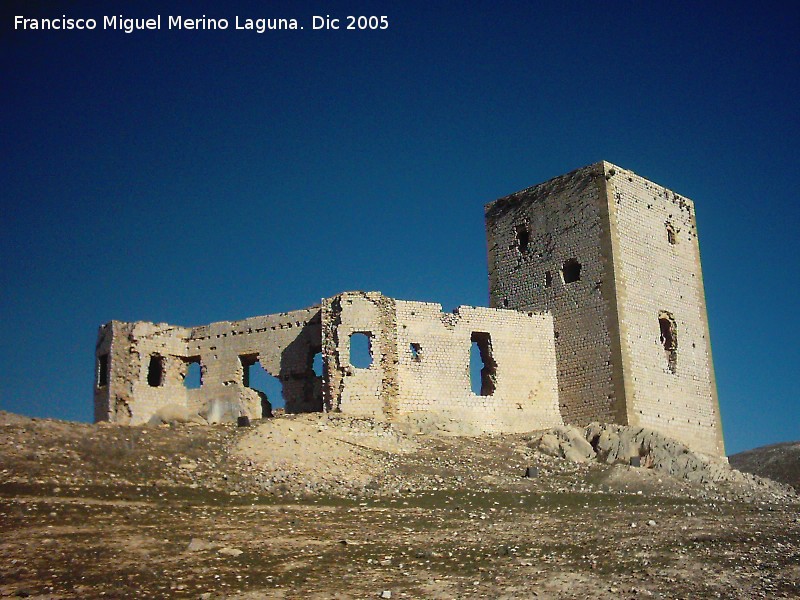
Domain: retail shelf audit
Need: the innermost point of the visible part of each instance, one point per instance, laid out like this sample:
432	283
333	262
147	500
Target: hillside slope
326	506
779	462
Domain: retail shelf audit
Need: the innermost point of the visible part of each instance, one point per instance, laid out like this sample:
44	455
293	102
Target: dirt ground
328	507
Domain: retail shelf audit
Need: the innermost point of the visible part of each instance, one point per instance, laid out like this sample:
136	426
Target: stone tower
616	260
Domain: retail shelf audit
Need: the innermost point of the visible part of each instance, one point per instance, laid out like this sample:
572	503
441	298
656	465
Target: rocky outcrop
644	448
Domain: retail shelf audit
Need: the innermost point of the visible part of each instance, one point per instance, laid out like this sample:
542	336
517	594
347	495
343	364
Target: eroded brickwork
616	259
127	349
598	314
364	391
421	362
533	236
433	349
665	340
137	387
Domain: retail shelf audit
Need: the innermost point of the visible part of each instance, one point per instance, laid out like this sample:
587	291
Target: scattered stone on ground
328	506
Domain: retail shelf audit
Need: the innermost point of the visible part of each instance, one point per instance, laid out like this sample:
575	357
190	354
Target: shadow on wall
301	389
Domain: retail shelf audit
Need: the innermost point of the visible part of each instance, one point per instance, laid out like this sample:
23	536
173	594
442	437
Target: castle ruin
597	314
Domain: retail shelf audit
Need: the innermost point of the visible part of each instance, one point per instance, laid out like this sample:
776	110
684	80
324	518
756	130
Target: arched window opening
193	376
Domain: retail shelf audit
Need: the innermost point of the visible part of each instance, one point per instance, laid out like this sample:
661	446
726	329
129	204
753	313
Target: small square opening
571	271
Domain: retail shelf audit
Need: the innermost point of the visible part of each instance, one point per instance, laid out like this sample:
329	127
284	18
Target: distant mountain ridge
779	462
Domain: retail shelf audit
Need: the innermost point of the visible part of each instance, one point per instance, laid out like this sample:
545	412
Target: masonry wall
611	256
435	375
349	389
433	350
284	344
632	339
565	225
127	398
669	383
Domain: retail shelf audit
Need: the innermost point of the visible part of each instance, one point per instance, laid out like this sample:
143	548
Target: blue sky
197	176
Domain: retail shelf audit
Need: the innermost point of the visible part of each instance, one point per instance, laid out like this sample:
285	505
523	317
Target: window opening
548	279
268	387
361	349
102	370
193	377
523	238
672	237
483	368
416	351
669	339
571	271
155	371
316	364
307	394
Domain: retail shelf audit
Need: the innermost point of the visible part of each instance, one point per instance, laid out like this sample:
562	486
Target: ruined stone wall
433	350
284	344
611	256
615	258
669	373
421	362
537	239
370	390
128	347
112	390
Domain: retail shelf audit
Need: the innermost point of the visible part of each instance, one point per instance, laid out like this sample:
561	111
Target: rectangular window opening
672	236
571	271
361	349
416	351
247	360
669	339
102	370
523	238
193	375
483	368
155	371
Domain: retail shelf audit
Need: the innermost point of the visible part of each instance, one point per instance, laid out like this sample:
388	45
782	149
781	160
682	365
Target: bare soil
329	507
